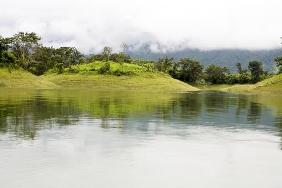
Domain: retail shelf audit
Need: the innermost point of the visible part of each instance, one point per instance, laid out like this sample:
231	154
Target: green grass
18	78
270	85
130	77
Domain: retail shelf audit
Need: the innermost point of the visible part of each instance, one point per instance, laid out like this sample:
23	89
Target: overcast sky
92	24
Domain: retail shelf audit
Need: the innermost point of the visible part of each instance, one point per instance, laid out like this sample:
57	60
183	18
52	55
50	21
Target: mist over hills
223	57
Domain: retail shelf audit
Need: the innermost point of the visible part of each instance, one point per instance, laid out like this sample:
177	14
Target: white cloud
92	24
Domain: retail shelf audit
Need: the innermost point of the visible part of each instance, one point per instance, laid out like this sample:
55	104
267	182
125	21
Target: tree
97	57
278	61
7	59
68	56
107	53
43	59
190	70
4	44
239	68
256	70
216	74
120	58
164	64
23	45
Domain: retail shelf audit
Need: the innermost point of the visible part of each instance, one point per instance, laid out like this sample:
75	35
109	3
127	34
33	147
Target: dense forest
24	50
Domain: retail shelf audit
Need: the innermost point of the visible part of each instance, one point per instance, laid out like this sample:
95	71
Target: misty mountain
223	57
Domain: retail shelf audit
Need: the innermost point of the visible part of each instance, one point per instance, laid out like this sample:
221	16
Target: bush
119	72
149	67
232	78
245	77
105	68
60	68
72	70
7	59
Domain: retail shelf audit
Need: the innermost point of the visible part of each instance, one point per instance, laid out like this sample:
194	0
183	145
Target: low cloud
164	25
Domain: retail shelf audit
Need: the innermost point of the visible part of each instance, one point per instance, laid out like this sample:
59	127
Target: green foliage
120	58
7	59
68	56
216	75
164	64
32	56
278	61
73	69
60	68
105	68
239	68
190	70
43	59
121	72
256	70
23	45
98	57
107	51
245	77
25	50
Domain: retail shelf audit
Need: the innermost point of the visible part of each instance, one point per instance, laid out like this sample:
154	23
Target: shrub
119	72
245	77
105	68
60	68
72	70
232	78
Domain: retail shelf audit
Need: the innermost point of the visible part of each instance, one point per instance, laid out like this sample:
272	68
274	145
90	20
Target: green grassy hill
273	85
18	78
119	77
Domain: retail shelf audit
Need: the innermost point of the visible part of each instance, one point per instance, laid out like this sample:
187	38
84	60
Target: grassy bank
118	77
271	85
18	78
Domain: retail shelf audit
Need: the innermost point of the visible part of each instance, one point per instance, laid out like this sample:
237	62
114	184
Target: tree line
26	51
192	71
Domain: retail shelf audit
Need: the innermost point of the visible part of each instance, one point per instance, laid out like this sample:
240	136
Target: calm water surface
56	139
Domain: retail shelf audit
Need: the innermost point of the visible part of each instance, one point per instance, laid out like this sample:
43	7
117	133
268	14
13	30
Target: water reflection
23	114
98	139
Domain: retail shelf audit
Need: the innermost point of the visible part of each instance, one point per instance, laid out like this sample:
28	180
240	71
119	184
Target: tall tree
23	45
239	68
68	56
278	61
107	51
256	70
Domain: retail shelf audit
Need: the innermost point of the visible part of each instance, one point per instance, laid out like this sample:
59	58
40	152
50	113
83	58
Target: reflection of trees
241	105
26	116
216	102
191	105
254	112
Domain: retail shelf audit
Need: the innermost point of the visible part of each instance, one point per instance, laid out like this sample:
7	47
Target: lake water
83	138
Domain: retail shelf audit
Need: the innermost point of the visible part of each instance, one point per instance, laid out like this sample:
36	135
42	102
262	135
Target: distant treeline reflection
23	114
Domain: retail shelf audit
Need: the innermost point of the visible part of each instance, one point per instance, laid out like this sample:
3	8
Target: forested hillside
225	57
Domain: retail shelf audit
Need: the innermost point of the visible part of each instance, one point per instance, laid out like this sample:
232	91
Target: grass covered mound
116	76
97	75
19	78
273	85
